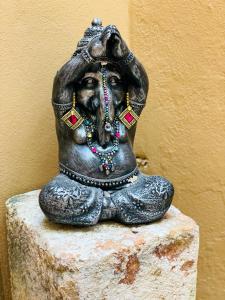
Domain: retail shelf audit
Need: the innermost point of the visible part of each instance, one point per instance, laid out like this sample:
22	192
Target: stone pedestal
107	261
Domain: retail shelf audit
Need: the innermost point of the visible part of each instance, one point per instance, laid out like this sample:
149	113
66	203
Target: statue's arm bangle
128	59
61	108
137	107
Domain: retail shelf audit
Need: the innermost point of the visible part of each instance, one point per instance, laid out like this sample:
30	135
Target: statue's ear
61	94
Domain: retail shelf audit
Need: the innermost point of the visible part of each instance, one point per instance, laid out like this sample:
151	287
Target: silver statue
98	96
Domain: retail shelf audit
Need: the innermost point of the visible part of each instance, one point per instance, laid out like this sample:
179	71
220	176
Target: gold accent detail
128	99
79	121
73	111
89	135
128	110
74	100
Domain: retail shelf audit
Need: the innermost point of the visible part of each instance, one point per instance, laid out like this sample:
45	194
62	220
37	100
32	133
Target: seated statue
98	96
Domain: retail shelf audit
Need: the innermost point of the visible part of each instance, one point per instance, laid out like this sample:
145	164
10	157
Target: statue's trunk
105	119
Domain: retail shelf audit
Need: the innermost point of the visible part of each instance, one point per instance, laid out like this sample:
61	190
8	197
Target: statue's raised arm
134	71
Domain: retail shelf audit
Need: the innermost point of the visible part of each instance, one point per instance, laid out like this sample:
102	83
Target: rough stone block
107	261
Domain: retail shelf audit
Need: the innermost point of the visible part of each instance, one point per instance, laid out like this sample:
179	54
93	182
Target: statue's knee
69	202
49	198
145	201
160	194
163	189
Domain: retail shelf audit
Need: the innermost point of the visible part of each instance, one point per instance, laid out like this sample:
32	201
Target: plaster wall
181	131
36	38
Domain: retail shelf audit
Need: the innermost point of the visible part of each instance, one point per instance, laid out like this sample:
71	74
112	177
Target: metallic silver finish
82	194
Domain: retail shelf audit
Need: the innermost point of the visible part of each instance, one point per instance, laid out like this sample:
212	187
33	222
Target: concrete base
107	261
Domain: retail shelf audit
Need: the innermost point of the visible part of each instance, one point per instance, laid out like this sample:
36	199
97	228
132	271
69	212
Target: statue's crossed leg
69	202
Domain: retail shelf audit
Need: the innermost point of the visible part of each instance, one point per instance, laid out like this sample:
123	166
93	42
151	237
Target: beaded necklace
106	156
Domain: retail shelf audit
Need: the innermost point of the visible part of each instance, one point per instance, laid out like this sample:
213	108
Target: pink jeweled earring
128	117
72	118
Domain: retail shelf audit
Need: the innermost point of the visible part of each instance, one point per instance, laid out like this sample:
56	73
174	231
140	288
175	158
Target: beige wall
37	37
180	43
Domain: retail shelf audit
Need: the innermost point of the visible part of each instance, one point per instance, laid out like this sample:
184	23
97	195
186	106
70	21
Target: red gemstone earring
128	117
72	118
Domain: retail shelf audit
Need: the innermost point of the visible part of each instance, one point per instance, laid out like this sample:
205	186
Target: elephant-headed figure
98	96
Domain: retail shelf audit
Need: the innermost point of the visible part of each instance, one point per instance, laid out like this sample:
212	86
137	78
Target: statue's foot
66	201
145	200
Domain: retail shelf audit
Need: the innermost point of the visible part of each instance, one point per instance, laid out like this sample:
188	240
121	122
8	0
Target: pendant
128	117
73	119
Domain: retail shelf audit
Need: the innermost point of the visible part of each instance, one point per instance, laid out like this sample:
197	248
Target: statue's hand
116	45
109	44
97	47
